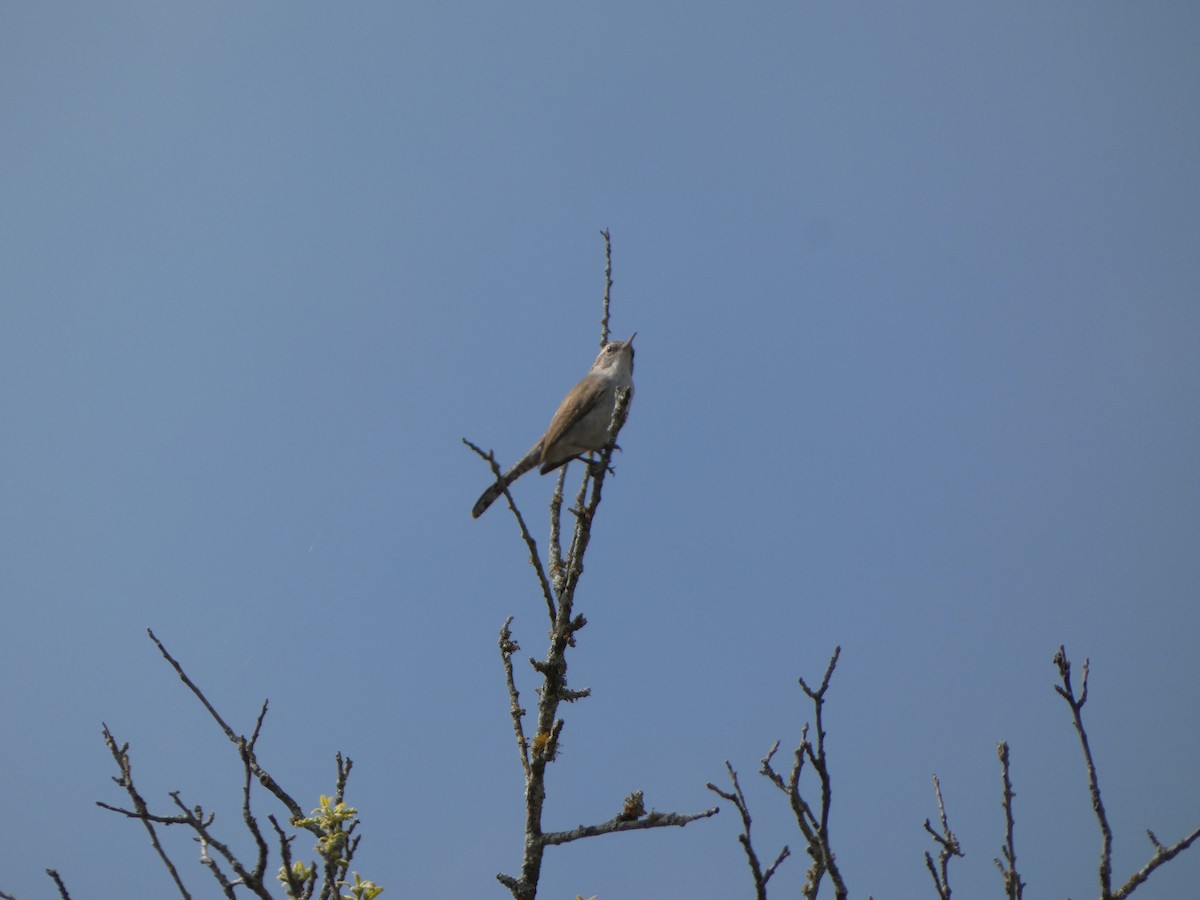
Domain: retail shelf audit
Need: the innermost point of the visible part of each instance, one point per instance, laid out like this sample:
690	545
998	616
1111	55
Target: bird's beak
629	343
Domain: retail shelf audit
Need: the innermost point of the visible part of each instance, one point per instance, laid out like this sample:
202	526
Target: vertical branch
821	767
950	847
246	752
806	820
585	513
1067	692
1014	887
541	748
344	765
507	648
556	566
608	283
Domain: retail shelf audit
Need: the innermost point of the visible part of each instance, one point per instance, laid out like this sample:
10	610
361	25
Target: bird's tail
524	464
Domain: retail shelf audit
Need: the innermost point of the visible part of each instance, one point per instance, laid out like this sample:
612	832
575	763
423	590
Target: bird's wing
577	404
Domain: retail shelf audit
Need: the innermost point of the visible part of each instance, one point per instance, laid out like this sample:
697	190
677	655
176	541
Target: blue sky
915	288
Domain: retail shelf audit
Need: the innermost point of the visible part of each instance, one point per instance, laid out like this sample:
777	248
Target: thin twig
608	283
535	558
1014	887
507	648
246	752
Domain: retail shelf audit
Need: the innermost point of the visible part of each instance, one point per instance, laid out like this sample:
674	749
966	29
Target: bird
580	424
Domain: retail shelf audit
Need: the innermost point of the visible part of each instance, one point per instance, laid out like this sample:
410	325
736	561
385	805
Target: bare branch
535	558
227	886
950	847
229	732
770	772
557	568
820	692
124	766
608	283
58	883
1014	887
507	648
820	849
1068	694
261	774
738	799
618	824
146	816
200	824
813	824
1161	854
245	751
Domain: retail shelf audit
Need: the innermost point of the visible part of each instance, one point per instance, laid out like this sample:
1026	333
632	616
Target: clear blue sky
916	294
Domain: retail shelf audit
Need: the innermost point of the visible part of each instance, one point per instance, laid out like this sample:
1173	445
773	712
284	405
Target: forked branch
1161	852
948	843
813	821
738	799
